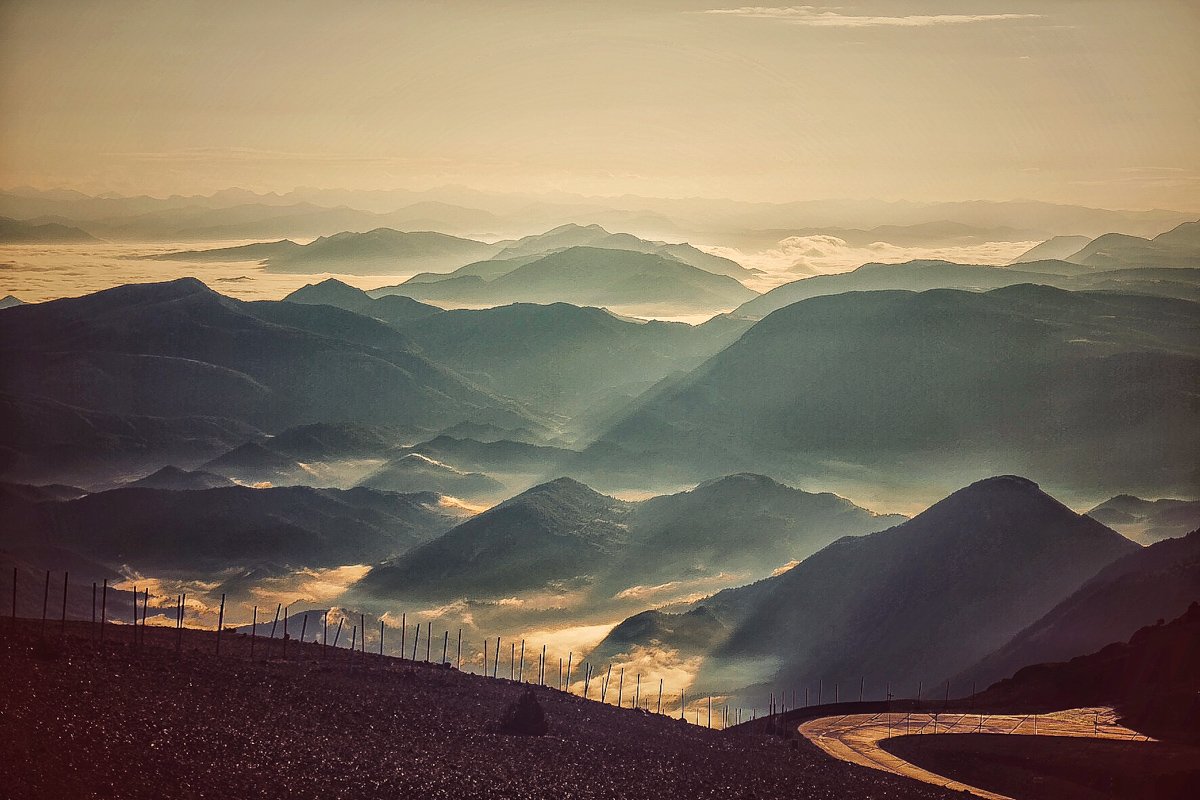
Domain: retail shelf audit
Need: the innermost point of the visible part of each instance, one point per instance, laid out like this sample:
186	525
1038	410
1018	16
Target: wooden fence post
381	636
337	634
253	631
660	688
458	654
567	685
62	630
46	603
428	638
416	638
521	671
445	646
278	606
496	661
220	622
621	687
303	630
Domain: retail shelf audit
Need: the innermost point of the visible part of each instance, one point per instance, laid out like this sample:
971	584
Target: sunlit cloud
311	585
823	254
823	17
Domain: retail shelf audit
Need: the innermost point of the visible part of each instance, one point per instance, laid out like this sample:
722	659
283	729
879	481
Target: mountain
212	529
45	441
775	526
920	601
561	358
688	634
572	235
1056	248
915	276
382	251
178	349
1153	679
395	310
15	231
1178	247
589	276
1148	521
177	479
548	534
1154	583
501	455
569	535
417	473
10	301
246	252
318	454
915	387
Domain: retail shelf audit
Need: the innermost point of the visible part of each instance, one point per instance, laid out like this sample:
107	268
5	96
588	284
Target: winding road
856	737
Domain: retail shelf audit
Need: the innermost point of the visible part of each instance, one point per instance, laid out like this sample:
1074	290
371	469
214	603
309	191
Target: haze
1088	103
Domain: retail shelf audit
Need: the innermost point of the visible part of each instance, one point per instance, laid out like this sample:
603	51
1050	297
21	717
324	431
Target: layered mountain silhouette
1056	248
258	251
563	533
1148	521
562	358
919	601
911	383
586	276
210	529
572	235
314	454
920	276
1178	247
10	301
395	310
177	479
15	231
1150	584
382	251
44	441
178	349
417	473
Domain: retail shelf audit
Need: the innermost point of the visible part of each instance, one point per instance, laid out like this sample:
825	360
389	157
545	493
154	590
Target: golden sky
1081	101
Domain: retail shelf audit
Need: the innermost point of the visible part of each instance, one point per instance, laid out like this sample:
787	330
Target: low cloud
823	17
804	256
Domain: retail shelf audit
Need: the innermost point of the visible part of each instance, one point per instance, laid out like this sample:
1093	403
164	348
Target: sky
1077	101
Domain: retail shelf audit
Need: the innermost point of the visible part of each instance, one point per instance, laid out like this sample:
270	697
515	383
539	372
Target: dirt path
855	737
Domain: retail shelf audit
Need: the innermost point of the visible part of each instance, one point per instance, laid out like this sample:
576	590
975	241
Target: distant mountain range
920	276
1178	247
564	534
395	310
572	235
14	231
382	251
587	276
177	350
212	529
1148	521
237	213
1057	248
917	602
916	387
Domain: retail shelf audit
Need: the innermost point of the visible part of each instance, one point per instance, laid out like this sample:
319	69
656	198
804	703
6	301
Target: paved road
856	737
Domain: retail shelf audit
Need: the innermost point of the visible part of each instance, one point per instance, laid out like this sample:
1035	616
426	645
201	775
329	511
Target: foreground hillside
139	720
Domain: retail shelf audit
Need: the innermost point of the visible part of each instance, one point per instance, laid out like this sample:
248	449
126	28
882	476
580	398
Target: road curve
855	737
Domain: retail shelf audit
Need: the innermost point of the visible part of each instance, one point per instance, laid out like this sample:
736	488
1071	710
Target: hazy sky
1082	101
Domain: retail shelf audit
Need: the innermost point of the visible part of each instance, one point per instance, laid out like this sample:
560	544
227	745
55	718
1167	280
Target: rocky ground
84	719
